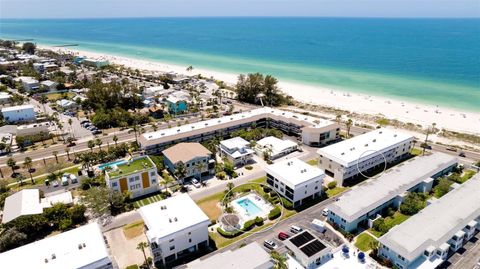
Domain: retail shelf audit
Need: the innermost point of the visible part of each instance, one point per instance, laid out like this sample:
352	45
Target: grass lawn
396	219
133	230
335	191
416	152
147	200
467	174
58	96
363	242
128	168
313	162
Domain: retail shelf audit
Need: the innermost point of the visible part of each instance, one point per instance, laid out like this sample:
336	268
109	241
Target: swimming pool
103	166
250	207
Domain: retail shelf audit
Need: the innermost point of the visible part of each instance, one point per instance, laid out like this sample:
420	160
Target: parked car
84	121
95	132
270	244
196	183
295	229
91	127
55	183
462	154
87	124
325	212
282	236
452	149
64	181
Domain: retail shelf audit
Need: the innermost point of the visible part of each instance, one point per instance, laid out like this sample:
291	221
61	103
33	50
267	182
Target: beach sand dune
425	115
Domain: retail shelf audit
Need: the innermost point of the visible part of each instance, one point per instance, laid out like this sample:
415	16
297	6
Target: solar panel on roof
301	239
312	248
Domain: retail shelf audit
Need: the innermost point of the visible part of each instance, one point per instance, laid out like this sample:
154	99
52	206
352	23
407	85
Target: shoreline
390	108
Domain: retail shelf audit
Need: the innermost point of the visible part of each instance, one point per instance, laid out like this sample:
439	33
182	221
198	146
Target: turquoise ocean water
435	61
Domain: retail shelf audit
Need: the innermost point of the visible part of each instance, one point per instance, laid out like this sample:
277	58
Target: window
152	174
171	240
114	184
172	247
190	240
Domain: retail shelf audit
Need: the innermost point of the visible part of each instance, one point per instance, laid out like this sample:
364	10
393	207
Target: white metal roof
82	247
358	148
15	108
24	202
362	199
294	172
437	223
258	258
277	145
235	143
180	212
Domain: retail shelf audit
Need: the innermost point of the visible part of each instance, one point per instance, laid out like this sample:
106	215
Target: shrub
246	190
413	203
234	175
248	225
258	221
221	175
274	213
266	189
133	266
287	204
273	194
332	185
228	234
248	167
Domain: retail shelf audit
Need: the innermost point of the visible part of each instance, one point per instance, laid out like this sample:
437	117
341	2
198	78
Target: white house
237	150
151	92
295	180
80	248
275	147
308	250
356	156
66	104
23	113
50	85
175	227
29	83
4	98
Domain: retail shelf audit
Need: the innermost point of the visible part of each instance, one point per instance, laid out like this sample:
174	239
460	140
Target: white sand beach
448	118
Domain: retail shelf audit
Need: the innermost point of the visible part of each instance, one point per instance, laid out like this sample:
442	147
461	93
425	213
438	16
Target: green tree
12	164
142	246
349	124
91	145
99	143
29	47
43	100
443	187
413	203
198	168
279	260
115	139
27	164
55	154
180	171
12	238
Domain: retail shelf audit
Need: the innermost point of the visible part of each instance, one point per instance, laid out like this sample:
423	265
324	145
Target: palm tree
43	100
12	164
180	171
115	139
199	167
27	164
280	260
190	68
142	246
67	150
338	119
55	153
70	122
167	180
99	143
60	127
349	124
91	145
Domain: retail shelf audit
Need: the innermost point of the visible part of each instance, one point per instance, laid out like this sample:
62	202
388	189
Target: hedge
258	221
274	213
287	204
248	225
228	234
266	189
332	185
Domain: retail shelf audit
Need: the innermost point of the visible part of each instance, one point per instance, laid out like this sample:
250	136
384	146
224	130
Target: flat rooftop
362	199
24	202
15	108
258	258
235	142
234	119
171	215
361	147
136	165
294	171
436	223
277	145
76	248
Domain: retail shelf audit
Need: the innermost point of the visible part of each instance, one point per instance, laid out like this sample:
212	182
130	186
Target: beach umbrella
345	249
361	255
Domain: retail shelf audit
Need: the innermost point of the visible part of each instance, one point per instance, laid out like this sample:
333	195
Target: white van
295	229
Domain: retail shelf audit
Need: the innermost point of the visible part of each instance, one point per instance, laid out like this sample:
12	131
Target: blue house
176	105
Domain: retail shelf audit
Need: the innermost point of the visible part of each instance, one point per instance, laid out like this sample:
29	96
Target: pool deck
258	201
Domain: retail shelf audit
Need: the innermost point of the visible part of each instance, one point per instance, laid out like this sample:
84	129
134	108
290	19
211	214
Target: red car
283	236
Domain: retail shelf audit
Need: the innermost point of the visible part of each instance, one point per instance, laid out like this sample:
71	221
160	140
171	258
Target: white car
196	183
55	183
270	244
325	212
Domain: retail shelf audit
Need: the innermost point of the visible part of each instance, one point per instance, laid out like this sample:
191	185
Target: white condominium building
361	205
295	180
424	240
275	147
23	113
175	228
373	150
312	131
80	248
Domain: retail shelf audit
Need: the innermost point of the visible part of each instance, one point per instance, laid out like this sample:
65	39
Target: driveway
125	250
